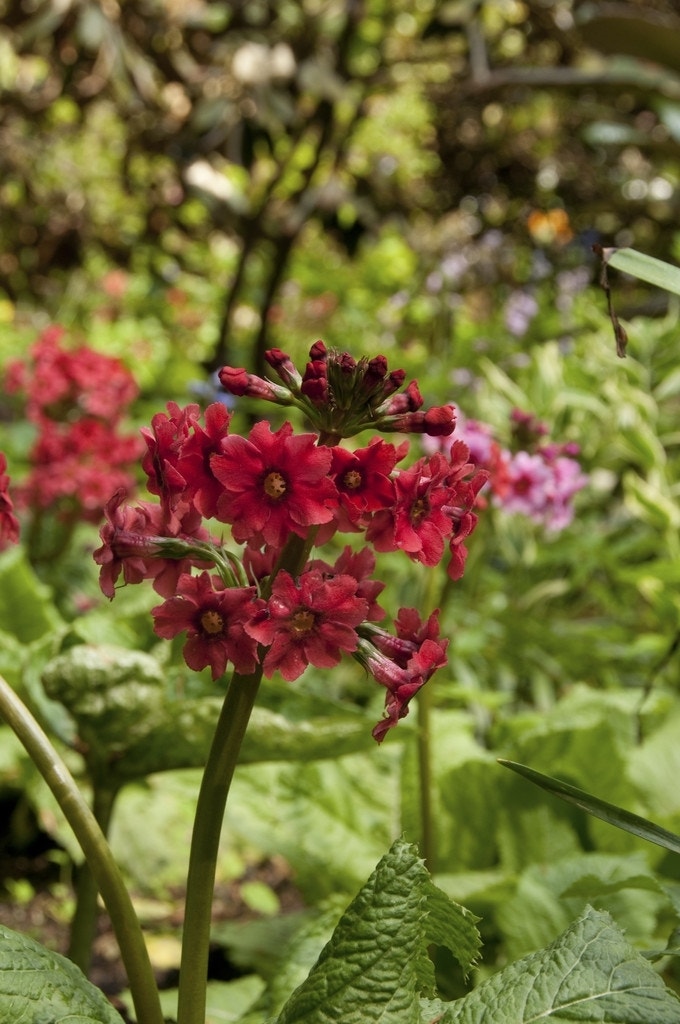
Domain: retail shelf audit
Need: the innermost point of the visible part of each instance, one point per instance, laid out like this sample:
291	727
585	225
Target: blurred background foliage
239	159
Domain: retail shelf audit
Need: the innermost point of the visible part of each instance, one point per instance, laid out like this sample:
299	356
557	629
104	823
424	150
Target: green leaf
26	608
590	973
610	813
129	718
376	965
646	268
40	986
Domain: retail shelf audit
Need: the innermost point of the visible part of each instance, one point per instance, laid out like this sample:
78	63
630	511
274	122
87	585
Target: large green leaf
590	973
26	608
41	987
376	965
129	720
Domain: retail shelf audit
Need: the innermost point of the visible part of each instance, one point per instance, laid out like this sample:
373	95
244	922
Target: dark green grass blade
610	813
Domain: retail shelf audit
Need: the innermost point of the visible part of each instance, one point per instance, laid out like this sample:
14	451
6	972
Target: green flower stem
96	850
219	771
212	800
424	741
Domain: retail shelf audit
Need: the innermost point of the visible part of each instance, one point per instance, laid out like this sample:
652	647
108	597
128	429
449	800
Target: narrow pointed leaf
610	813
646	268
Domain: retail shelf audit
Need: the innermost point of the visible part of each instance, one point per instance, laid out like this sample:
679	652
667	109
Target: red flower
165	442
403	664
308	623
9	524
359	564
133	543
76	466
239	382
417	524
213	616
58	381
362	478
202	488
274	484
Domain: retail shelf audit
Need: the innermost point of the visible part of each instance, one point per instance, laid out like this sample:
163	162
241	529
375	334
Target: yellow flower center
274	485
302	621
418	510
212	622
352	479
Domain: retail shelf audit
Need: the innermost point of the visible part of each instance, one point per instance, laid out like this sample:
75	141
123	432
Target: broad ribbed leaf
126	717
39	986
590	973
376	965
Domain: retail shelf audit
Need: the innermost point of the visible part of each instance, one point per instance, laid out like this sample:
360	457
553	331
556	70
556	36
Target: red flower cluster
282	493
342	396
76	398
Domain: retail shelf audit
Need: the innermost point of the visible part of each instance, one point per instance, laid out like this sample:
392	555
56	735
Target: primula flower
362	478
307	623
273	483
165	442
361	565
58	380
417	523
402	664
543	488
194	465
76	465
9	524
343	396
214	618
133	544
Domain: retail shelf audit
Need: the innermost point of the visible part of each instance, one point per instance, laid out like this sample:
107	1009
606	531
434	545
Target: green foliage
589	973
376	965
39	985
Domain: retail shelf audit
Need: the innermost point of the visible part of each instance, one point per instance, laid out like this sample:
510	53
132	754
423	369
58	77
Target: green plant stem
84	922
97	853
427	832
219	771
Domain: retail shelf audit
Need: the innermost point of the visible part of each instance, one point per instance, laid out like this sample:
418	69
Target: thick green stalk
97	853
424	741
219	771
212	800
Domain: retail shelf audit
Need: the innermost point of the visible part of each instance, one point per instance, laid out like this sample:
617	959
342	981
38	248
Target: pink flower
9	524
214	618
273	484
530	486
310	622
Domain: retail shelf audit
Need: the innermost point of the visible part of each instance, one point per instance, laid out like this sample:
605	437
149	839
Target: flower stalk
212	798
97	852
